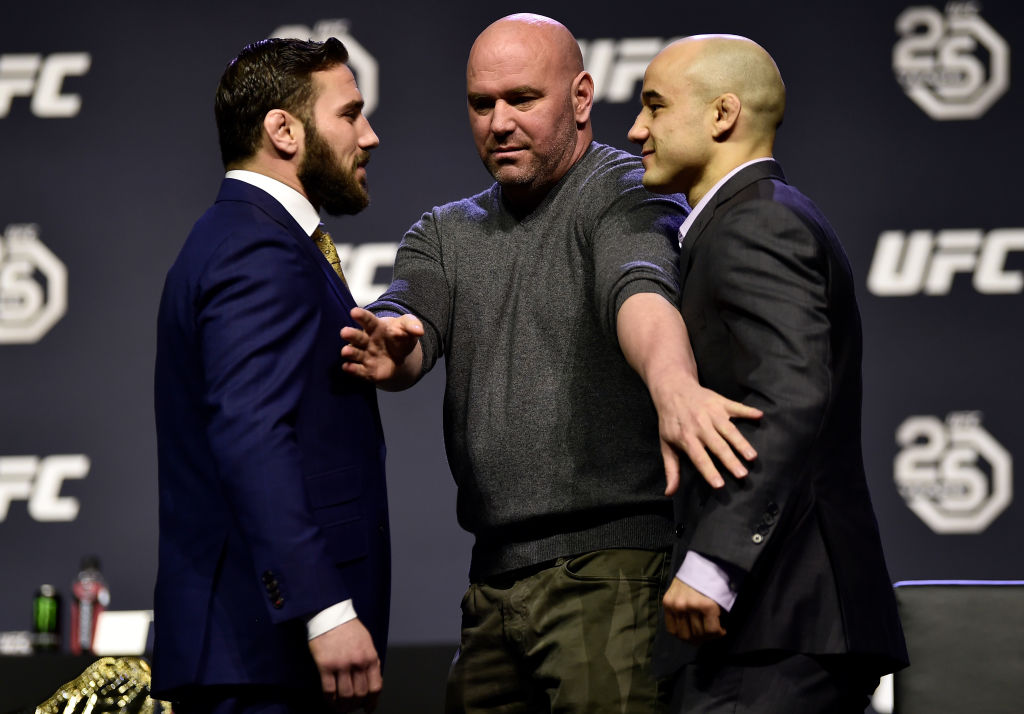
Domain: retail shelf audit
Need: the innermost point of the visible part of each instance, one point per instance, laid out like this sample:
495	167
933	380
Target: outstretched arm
386	351
691	419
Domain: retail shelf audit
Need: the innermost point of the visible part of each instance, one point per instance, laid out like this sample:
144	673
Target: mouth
506	152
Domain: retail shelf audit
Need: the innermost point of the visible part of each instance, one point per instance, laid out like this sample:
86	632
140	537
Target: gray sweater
551	436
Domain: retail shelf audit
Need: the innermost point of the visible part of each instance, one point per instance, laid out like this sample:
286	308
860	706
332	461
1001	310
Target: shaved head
529	104
711	103
717	64
546	40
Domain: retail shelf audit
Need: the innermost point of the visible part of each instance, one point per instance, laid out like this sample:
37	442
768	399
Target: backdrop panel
903	124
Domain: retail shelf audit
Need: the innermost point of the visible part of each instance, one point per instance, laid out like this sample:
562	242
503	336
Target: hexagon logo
33	286
954	475
953	66
362	63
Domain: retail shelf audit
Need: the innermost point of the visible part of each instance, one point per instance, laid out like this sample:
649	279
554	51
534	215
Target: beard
327	183
542	168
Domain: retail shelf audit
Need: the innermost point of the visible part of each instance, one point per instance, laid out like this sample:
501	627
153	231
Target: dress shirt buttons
757	538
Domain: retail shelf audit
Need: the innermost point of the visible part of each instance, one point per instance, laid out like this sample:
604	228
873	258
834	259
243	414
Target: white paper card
122	632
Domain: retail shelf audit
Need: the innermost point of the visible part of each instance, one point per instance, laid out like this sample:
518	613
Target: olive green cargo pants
574	636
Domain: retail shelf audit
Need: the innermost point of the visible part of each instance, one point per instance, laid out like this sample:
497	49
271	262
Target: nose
367	137
638	133
502	118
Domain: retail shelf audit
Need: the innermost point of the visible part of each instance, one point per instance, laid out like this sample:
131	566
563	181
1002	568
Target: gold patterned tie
326	246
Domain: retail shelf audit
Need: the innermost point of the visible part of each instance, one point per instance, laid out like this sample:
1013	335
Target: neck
277	169
719	168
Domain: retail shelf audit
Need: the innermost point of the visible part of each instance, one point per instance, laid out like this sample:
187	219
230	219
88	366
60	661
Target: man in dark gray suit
781	589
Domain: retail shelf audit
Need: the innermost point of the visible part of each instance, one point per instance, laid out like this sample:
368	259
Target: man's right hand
349	666
691	615
386	351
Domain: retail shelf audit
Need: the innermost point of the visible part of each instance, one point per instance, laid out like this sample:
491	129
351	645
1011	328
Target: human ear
283	131
582	97
725	111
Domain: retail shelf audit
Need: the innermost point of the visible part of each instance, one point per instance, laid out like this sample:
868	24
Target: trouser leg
574	637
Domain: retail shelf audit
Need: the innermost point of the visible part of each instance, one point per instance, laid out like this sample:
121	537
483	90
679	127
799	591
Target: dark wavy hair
269	74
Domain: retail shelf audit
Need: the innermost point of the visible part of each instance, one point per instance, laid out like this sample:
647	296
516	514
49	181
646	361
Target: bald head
711	103
525	35
529	104
718	64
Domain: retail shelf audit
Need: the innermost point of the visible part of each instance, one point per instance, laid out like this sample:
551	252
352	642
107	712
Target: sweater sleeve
420	286
633	236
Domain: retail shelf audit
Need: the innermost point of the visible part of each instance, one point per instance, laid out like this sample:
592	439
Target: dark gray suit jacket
768	298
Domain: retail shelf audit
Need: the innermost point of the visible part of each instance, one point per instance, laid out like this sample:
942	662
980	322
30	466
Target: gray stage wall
108	154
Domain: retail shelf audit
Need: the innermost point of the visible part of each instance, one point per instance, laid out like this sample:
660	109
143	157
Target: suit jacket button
757	538
679	530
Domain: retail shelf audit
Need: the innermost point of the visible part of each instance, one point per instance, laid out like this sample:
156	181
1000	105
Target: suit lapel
751	174
234	190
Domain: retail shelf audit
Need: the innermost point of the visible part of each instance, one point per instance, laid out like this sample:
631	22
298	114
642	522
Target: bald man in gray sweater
551	296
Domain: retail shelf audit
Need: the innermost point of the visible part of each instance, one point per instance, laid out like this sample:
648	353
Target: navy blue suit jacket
271	459
768	298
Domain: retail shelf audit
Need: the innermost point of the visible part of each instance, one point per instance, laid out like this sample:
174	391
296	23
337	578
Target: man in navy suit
273	584
780	579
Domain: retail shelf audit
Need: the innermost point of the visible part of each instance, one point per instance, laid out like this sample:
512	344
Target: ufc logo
42	79
618	65
39	481
926	262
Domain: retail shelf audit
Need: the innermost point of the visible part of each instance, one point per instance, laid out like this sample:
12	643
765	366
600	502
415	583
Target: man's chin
656	185
508	174
349	207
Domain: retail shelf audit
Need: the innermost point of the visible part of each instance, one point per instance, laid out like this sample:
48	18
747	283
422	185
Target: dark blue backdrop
108	154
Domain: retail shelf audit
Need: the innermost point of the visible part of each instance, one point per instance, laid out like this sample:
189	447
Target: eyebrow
355	104
514	92
649	95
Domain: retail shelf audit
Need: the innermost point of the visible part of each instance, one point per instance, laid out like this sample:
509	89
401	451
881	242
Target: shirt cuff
337	614
708	578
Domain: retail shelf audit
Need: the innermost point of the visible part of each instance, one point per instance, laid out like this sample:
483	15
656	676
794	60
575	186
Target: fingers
726	456
694	626
410	325
375	683
329	684
355	338
671	460
366	319
737	442
691	615
738	410
346	687
351	689
713	626
703	463
360	687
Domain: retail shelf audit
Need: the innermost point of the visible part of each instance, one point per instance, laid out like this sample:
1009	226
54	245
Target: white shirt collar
706	198
297	205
